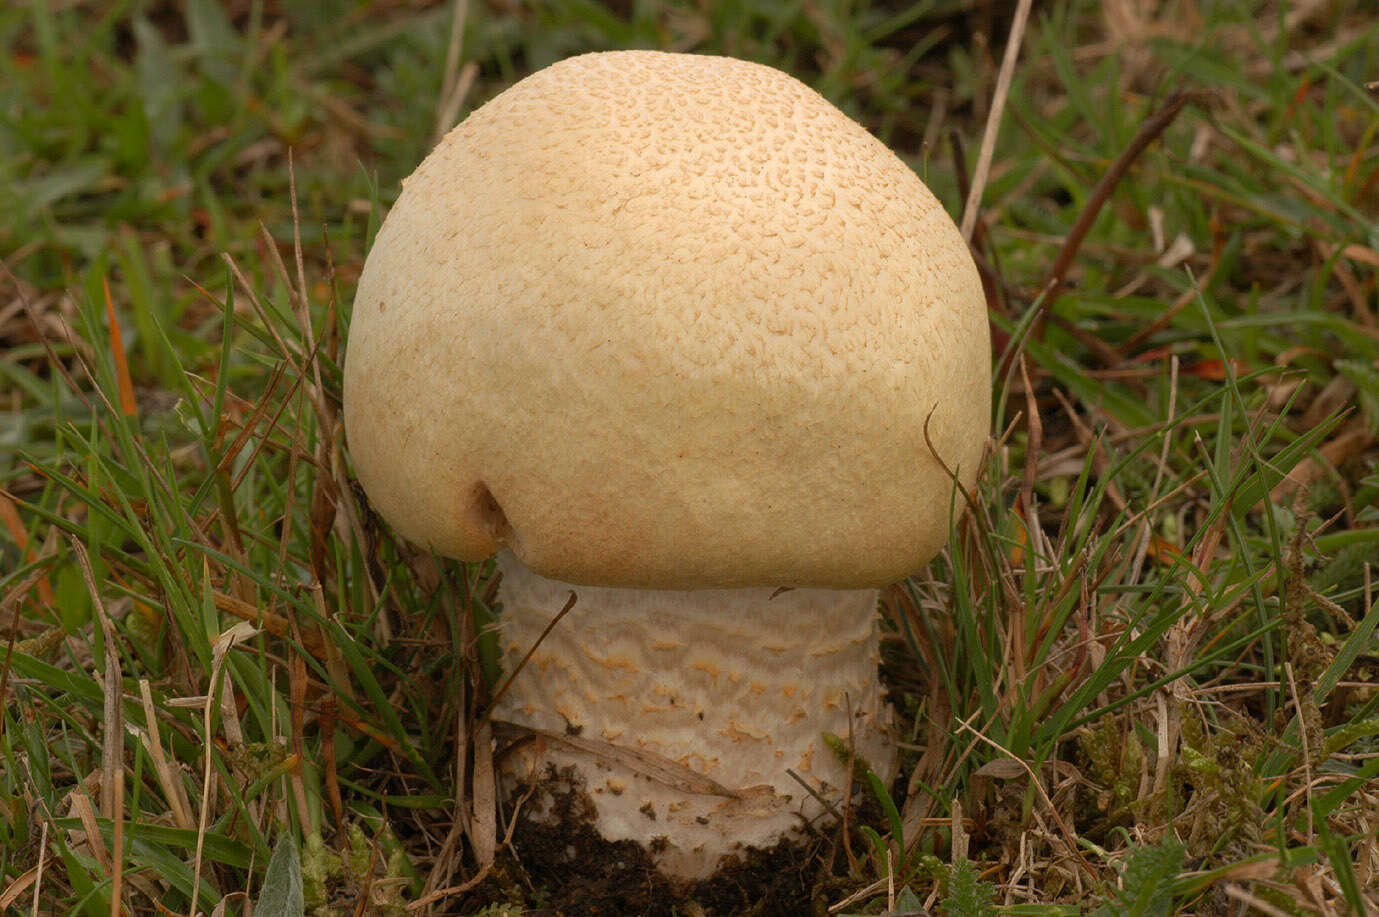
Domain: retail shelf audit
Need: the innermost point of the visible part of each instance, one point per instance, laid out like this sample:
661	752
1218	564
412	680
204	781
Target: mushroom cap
669	321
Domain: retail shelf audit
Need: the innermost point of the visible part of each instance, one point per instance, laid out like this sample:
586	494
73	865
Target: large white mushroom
667	330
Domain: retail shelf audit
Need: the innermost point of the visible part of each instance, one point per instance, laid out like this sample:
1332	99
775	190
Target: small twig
862	893
296	692
1259	904
366	895
455	83
299	294
483	835
38	870
112	748
1034	425
220	648
642	762
961	839
1306	751
984	255
450	113
81	805
170	779
1148	132
329	765
818	797
507	683
993	119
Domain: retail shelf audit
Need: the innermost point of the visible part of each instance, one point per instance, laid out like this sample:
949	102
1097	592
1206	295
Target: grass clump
1142	677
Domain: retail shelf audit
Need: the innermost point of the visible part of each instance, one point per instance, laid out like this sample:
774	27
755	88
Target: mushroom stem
681	712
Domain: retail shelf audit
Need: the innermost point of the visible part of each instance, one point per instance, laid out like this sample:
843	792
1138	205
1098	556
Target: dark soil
576	873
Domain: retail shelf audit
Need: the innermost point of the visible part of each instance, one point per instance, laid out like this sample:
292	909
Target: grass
1144	677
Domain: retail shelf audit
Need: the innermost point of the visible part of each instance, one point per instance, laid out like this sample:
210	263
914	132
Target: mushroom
674	334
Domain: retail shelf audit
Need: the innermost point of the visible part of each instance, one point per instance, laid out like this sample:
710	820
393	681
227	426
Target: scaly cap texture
669	321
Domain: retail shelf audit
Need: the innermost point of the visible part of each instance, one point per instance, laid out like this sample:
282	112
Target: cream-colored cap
668	321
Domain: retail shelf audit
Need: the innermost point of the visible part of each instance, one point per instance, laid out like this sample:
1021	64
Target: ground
1141	678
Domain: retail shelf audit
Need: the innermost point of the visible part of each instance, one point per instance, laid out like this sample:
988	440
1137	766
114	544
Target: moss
320	866
1224	805
334	881
1115	756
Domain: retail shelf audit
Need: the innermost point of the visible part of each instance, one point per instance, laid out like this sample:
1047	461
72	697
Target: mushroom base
683	712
